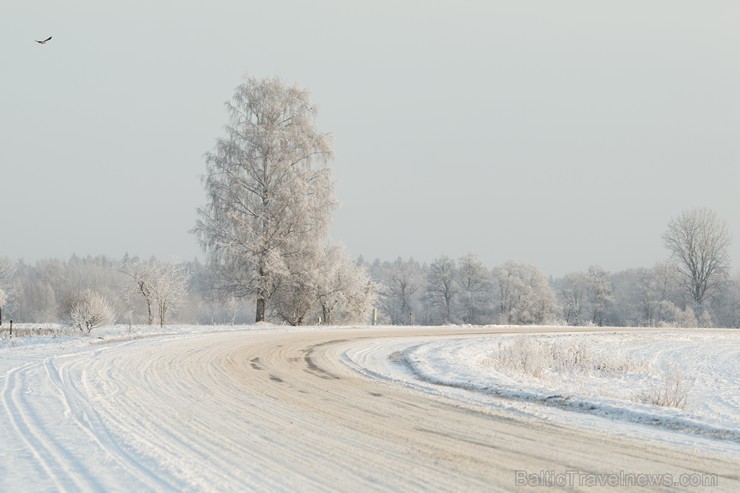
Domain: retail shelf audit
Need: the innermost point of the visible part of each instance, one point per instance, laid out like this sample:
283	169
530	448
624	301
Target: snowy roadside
610	392
33	342
23	348
47	339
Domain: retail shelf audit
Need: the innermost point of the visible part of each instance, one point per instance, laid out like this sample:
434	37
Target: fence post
11	328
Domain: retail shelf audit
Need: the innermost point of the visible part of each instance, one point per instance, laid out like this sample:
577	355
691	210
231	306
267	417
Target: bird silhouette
44	41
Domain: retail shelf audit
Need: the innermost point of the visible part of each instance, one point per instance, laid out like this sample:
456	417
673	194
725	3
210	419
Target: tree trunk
260	315
144	292
149	310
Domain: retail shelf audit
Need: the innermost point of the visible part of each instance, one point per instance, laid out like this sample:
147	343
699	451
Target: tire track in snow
64	472
79	408
10	386
122	386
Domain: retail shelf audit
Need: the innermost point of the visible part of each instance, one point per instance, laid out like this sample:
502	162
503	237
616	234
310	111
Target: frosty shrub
533	356
672	390
87	310
524	356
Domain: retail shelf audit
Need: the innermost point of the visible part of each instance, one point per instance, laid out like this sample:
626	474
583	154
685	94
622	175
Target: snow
471	369
71	405
52	433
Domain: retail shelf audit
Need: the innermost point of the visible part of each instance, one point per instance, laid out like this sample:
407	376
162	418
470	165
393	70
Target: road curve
279	411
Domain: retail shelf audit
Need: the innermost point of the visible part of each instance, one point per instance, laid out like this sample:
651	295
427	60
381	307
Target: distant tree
3	299
574	297
524	294
600	293
269	193
143	273
474	281
699	241
233	305
441	287
586	297
163	286
7	271
658	294
345	293
400	282
625	309
726	303
87	310
169	287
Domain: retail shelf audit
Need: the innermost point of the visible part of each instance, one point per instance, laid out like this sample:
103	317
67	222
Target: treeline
445	291
139	291
464	291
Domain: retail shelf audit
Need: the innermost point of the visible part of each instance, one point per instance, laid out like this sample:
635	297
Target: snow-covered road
277	410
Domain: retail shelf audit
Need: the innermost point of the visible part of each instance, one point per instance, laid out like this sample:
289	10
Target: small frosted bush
87	310
672	390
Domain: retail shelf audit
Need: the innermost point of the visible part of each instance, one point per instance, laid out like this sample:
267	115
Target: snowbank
581	378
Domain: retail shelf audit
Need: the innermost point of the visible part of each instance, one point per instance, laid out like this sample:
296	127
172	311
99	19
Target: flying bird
44	41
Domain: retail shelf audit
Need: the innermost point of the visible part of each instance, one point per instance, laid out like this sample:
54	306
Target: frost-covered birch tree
269	193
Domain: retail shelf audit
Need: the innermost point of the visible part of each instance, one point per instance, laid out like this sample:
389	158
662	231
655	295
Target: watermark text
571	478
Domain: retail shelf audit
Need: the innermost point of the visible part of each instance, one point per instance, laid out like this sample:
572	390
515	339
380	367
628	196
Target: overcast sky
561	134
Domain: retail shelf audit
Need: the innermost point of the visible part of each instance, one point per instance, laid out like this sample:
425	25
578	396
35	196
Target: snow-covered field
147	409
614	377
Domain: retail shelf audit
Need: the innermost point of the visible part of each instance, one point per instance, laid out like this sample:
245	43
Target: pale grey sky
561	134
